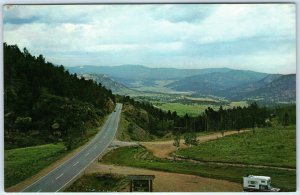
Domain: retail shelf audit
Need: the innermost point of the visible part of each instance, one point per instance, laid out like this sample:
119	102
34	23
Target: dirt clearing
170	182
163	149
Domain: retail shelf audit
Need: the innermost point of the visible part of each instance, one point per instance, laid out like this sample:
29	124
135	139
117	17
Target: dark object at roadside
141	183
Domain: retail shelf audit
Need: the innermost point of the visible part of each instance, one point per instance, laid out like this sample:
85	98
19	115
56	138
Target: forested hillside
144	121
282	89
212	83
44	103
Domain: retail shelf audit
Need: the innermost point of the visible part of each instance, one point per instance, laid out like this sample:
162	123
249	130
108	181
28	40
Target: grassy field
274	146
236	104
182	109
99	183
140	157
193	109
159	86
22	163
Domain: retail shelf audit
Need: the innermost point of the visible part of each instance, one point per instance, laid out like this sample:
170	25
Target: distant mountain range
213	83
136	75
221	82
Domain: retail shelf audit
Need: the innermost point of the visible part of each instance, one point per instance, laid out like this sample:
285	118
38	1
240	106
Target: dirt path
232	164
163	149
170	182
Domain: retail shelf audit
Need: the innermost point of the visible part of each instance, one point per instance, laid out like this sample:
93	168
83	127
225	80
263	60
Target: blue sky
259	37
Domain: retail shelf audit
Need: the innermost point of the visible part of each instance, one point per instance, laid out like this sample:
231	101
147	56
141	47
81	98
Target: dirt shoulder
163	149
170	182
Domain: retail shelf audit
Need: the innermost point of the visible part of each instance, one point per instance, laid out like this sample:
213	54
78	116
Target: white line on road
59	176
86	154
75	164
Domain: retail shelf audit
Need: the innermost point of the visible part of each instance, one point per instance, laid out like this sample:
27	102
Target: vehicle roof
259	177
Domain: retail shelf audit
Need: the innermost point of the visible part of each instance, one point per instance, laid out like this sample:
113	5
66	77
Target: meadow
182	109
196	107
273	146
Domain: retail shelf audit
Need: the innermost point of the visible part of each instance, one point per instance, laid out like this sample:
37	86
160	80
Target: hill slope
107	82
212	83
237	92
282	89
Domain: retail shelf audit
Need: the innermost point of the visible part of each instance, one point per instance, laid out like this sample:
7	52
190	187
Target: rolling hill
213	83
237	92
282	89
107	82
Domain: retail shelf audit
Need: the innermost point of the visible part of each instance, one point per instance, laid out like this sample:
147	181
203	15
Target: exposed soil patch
170	182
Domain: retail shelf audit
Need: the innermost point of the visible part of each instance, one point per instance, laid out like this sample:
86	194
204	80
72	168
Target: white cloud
166	35
235	21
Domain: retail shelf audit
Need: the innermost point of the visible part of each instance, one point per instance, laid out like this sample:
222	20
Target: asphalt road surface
62	175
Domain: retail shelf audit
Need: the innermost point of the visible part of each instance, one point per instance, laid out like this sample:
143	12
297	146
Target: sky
258	37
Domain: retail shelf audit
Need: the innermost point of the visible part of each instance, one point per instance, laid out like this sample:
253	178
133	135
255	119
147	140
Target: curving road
58	178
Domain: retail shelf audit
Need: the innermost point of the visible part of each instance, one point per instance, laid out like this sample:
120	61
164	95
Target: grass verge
97	182
22	163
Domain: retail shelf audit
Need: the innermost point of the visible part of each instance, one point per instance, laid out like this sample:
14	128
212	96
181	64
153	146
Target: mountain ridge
216	81
282	89
220	82
107	82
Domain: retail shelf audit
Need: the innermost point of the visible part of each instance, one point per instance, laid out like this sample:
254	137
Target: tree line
252	116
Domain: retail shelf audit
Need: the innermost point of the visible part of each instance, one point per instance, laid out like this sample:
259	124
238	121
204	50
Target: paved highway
62	175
